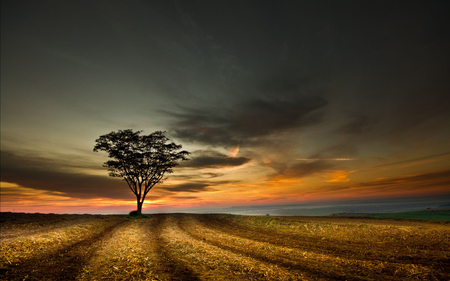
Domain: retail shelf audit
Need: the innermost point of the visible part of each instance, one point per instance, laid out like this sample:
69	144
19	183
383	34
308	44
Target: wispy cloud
213	159
424	183
188	187
47	175
193	186
338	176
249	123
326	159
303	169
412	162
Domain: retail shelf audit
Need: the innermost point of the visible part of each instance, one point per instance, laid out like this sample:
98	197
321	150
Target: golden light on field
221	247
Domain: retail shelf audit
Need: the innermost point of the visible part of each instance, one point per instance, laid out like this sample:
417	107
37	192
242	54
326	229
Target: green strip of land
434	215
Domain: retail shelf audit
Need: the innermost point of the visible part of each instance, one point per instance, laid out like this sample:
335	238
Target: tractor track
173	267
292	262
354	250
64	264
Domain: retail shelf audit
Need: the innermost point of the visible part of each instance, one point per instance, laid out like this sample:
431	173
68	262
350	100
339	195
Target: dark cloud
188	187
336	151
284	84
213	159
212	175
249	121
40	173
303	169
264	117
195	186
185	197
422	112
197	176
358	124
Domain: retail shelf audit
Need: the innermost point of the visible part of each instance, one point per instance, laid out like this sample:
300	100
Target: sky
279	102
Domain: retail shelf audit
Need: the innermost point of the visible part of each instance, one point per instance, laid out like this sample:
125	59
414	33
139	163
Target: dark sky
279	101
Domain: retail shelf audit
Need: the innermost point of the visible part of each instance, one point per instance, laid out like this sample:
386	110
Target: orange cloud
234	151
326	159
338	176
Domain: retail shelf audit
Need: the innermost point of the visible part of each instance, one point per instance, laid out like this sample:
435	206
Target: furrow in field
137	251
57	255
223	247
171	265
127	254
20	248
271	236
18	226
406	251
284	246
210	262
293	259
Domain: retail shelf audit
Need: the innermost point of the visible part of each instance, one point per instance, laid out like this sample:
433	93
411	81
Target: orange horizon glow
15	198
247	185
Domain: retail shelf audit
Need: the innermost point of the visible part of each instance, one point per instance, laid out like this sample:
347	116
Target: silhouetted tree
141	161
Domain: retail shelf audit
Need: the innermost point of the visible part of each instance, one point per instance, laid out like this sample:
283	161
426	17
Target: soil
221	247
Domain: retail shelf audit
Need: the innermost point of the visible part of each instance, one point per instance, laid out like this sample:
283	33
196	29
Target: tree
141	161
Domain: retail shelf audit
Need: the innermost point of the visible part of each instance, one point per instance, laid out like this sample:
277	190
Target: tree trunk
139	207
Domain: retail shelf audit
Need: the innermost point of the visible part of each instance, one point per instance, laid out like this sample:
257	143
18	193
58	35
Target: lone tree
141	161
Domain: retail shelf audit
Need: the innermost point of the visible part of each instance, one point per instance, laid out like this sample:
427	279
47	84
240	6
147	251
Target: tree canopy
141	160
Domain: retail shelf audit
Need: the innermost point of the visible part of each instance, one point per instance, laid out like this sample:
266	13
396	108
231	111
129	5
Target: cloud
213	159
412	162
196	176
359	124
429	100
302	169
185	197
233	151
195	186
336	152
338	176
250	121
188	187
45	174
442	177
434	181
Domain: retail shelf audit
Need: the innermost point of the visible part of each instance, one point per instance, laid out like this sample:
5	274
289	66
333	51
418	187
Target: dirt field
221	247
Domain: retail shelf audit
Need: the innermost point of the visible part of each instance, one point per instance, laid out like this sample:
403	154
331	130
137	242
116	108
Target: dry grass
209	261
20	245
222	247
127	251
361	248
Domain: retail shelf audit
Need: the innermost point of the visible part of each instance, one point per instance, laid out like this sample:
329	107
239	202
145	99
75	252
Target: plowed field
221	247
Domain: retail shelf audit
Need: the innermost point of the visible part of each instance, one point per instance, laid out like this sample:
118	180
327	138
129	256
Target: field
221	247
437	215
